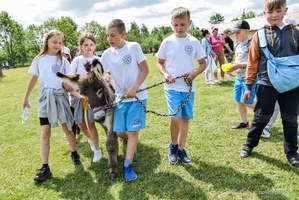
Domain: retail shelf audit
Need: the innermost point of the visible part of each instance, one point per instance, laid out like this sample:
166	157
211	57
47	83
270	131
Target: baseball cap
66	50
242	24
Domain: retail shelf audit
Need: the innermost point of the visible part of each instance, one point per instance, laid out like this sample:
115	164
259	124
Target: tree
249	14
12	38
195	31
99	32
69	29
134	33
216	19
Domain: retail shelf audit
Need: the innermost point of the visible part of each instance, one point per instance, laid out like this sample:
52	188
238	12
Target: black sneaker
173	153
183	157
294	161
245	152
43	174
75	158
240	125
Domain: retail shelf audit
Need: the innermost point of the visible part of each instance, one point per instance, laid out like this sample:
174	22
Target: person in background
217	41
241	30
228	55
211	65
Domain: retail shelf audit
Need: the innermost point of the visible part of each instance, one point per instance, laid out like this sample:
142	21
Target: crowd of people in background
127	66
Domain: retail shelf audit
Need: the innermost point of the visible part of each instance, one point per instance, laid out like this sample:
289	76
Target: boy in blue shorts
241	30
127	65
176	57
282	41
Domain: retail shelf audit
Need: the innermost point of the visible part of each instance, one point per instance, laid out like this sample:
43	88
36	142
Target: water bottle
25	113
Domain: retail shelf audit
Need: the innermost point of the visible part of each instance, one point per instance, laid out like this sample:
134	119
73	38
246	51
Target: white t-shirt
46	67
180	55
123	66
77	65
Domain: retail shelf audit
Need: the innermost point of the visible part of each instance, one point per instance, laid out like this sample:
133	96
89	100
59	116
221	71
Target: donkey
100	93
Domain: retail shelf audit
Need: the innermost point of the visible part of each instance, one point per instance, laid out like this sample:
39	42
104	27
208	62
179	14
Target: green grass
217	172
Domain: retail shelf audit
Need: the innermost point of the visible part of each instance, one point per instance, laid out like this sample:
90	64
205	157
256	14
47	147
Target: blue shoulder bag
283	72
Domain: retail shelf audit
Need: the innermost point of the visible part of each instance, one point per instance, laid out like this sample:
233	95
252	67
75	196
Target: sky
152	13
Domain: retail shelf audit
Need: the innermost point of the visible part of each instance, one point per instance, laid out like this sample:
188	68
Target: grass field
217	171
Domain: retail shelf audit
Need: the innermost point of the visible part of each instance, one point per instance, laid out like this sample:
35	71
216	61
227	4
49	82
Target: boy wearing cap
282	40
241	30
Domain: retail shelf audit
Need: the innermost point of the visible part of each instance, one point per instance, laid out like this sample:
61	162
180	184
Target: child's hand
169	79
26	103
247	95
191	76
131	93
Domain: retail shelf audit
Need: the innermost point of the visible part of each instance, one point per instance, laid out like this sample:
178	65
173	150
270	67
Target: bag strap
263	43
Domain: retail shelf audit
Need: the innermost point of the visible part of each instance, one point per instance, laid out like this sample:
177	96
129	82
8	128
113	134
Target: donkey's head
95	67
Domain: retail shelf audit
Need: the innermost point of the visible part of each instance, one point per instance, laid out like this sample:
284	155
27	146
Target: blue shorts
175	99
239	90
129	116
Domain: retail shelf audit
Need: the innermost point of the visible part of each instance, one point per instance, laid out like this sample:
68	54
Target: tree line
19	46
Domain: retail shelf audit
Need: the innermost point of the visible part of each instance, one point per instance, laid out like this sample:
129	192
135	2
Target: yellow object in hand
84	104
226	67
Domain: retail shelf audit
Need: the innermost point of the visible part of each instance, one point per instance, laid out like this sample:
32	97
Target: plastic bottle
25	113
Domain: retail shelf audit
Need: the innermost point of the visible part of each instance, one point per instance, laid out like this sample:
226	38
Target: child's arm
202	66
237	66
30	87
143	74
71	90
162	70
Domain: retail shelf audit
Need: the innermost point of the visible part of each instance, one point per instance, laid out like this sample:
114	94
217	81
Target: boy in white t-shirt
127	65
176	57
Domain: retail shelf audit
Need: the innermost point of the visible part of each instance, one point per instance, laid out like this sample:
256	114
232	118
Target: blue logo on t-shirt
188	49
127	59
56	68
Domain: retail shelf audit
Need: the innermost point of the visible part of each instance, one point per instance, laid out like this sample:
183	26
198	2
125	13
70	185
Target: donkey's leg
111	144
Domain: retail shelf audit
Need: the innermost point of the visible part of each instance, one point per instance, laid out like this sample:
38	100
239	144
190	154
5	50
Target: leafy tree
249	14
195	31
99	33
134	33
69	29
12	38
34	40
216	19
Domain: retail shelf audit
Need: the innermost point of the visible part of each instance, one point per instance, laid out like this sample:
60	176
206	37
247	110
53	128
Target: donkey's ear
87	66
98	67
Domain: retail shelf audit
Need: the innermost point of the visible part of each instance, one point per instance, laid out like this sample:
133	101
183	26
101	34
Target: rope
189	83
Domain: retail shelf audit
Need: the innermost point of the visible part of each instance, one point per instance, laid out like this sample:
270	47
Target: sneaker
97	156
245	152
266	133
173	153
241	125
183	157
75	158
210	82
92	147
43	174
130	174
294	161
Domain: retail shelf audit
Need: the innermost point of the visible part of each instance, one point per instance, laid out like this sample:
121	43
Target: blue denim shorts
239	90
129	116
174	100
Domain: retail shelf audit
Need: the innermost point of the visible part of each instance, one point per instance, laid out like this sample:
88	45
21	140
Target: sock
74	152
127	162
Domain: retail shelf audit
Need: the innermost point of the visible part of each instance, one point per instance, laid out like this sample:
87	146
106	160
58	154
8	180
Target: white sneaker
266	134
97	156
92	147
